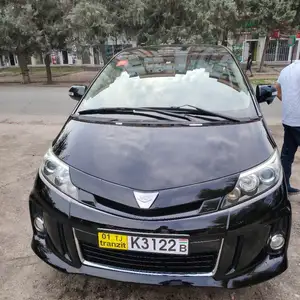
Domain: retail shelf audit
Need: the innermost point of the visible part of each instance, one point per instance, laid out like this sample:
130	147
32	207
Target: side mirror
265	93
77	91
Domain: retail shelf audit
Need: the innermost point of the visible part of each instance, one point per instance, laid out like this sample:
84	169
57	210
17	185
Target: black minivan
165	173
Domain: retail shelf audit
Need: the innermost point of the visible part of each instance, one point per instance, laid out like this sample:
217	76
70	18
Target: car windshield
170	76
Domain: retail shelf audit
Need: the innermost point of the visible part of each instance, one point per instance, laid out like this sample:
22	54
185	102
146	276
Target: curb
44	84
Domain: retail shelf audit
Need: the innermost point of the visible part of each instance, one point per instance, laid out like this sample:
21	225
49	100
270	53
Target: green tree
172	21
188	21
91	24
224	15
48	18
18	33
127	17
296	21
270	15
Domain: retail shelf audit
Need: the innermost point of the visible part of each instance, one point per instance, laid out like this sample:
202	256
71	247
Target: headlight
57	173
256	181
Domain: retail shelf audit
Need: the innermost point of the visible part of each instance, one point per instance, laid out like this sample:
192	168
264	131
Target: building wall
57	56
277	51
90	56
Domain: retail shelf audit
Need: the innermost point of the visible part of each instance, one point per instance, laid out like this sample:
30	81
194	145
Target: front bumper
238	236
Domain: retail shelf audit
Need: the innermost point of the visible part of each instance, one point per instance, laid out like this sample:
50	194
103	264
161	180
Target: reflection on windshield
206	77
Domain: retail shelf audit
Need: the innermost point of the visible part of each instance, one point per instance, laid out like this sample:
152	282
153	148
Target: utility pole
292	53
291	43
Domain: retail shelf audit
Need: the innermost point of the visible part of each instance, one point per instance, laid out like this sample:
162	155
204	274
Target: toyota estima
165	173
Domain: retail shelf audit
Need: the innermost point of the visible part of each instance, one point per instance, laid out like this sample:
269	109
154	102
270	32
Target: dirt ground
24	276
77	76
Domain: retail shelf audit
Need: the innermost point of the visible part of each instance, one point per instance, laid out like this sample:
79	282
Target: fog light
234	195
277	242
39	224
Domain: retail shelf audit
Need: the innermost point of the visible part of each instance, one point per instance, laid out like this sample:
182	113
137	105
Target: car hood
157	158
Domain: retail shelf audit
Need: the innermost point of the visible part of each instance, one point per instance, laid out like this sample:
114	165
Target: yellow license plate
154	244
112	241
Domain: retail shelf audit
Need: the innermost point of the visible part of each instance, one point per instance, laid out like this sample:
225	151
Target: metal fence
283	50
277	50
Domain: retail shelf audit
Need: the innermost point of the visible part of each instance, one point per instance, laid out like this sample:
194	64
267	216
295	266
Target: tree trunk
225	38
176	40
264	54
24	68
103	53
48	68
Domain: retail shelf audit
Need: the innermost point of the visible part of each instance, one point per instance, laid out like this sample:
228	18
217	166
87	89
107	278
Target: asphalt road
30	117
34	103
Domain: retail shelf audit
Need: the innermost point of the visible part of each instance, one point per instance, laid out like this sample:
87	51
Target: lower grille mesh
139	261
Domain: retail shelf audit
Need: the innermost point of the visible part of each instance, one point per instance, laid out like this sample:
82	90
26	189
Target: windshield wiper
196	112
200	111
134	111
